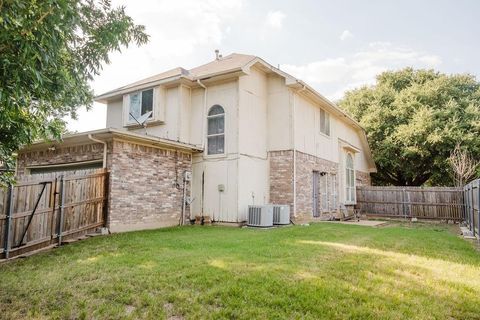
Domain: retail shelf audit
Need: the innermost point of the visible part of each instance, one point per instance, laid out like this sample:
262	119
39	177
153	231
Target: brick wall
281	181
306	164
281	177
61	155
145	186
362	178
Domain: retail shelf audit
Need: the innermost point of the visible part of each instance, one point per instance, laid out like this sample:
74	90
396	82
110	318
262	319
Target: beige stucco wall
253	182
260	112
219	205
178	116
279	114
310	140
216	169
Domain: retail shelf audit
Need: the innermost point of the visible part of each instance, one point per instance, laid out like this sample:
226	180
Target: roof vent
217	54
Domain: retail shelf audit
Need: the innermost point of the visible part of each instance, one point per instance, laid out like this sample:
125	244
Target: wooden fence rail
42	210
441	203
471	193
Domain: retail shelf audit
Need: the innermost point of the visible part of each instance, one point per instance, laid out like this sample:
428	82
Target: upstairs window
216	130
350	179
140	103
324	122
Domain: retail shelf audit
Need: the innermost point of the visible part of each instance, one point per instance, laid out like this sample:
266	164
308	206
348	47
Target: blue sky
333	45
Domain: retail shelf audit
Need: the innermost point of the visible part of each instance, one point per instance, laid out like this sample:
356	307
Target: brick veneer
362	178
145	186
61	155
281	181
281	177
306	164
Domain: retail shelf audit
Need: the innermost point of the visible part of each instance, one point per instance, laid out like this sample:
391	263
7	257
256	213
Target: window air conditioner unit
281	214
260	216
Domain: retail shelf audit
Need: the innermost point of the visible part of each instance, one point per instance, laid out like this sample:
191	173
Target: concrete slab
365	223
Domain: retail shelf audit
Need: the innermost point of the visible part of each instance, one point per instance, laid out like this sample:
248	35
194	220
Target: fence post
465	204
403	204
106	195
8	225
472	209
53	199
466	194
469	197
478	207
62	202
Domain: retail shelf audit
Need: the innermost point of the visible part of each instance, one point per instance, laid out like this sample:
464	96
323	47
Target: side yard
324	270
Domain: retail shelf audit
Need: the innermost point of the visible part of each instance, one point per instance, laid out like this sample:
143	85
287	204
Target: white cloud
334	76
177	29
275	19
346	34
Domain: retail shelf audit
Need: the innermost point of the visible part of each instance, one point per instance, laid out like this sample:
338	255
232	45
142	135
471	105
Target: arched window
350	178
216	130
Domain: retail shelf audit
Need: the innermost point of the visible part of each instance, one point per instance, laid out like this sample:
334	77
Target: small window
350	179
216	130
141	102
324	122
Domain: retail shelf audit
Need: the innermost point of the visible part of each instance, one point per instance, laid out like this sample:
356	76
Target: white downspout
295	154
104	149
204	111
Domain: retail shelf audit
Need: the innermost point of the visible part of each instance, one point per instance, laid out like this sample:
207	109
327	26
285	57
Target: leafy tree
49	51
414	119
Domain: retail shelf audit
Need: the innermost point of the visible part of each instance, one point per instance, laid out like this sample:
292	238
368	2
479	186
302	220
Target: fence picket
411	202
82	198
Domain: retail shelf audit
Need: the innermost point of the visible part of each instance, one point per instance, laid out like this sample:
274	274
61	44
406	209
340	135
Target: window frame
325	122
222	154
131	122
350	175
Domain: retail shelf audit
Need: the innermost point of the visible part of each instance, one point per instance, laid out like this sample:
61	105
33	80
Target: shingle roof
230	62
223	64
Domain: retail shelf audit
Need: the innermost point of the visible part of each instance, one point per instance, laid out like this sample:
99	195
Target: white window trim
224	114
327	114
347	187
126	108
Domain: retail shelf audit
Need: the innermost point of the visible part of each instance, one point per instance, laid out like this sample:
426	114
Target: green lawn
324	270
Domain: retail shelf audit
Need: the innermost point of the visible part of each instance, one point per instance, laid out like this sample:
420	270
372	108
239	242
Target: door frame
315	193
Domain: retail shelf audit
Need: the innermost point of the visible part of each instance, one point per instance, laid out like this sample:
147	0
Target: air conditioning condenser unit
260	216
281	214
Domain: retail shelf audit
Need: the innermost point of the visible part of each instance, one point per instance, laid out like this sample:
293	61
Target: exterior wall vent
260	216
281	214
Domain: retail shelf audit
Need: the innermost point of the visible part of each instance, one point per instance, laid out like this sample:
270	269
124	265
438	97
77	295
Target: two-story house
242	131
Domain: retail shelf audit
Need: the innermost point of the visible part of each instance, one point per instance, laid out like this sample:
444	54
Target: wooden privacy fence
43	210
472	206
441	203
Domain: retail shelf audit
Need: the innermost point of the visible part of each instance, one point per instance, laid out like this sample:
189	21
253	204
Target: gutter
104	149
204	111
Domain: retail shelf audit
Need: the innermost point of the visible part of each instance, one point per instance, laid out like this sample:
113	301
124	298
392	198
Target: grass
329	271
